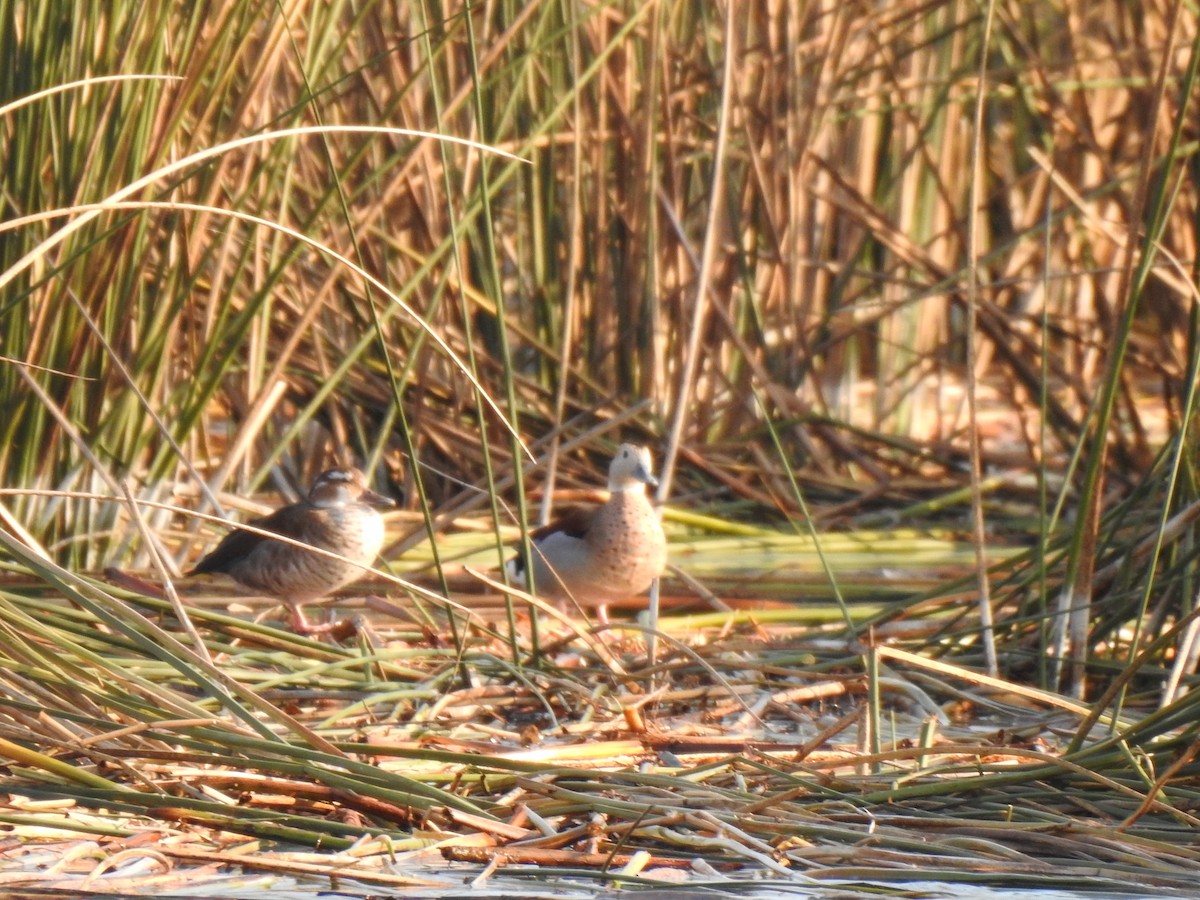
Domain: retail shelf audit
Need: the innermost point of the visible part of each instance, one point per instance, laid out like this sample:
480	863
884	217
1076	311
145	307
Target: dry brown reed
743	234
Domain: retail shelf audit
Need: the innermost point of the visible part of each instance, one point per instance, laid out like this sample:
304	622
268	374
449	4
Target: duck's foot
341	630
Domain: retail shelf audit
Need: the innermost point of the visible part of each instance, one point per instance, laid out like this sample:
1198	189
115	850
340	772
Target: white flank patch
372	536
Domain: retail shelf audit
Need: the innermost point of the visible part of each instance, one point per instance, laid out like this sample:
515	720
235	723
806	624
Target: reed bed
902	295
767	749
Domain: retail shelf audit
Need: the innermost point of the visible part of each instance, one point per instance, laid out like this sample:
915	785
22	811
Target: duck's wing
574	522
239	544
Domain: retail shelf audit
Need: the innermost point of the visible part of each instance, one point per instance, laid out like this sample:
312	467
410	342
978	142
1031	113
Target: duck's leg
300	624
298	621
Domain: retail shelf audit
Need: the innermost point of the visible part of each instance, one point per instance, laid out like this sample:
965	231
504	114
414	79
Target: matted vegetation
902	295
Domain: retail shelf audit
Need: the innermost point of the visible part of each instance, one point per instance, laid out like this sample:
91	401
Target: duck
605	554
340	514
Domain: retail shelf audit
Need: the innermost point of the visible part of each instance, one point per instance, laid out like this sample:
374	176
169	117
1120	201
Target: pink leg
338	630
298	621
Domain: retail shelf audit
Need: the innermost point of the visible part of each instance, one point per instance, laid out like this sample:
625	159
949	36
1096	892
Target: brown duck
606	554
339	514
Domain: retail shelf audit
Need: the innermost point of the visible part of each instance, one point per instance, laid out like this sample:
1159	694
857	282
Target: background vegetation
840	264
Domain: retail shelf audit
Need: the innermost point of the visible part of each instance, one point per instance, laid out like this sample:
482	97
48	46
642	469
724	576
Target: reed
473	247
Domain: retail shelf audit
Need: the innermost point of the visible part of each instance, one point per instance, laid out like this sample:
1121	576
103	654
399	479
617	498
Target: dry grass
767	239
